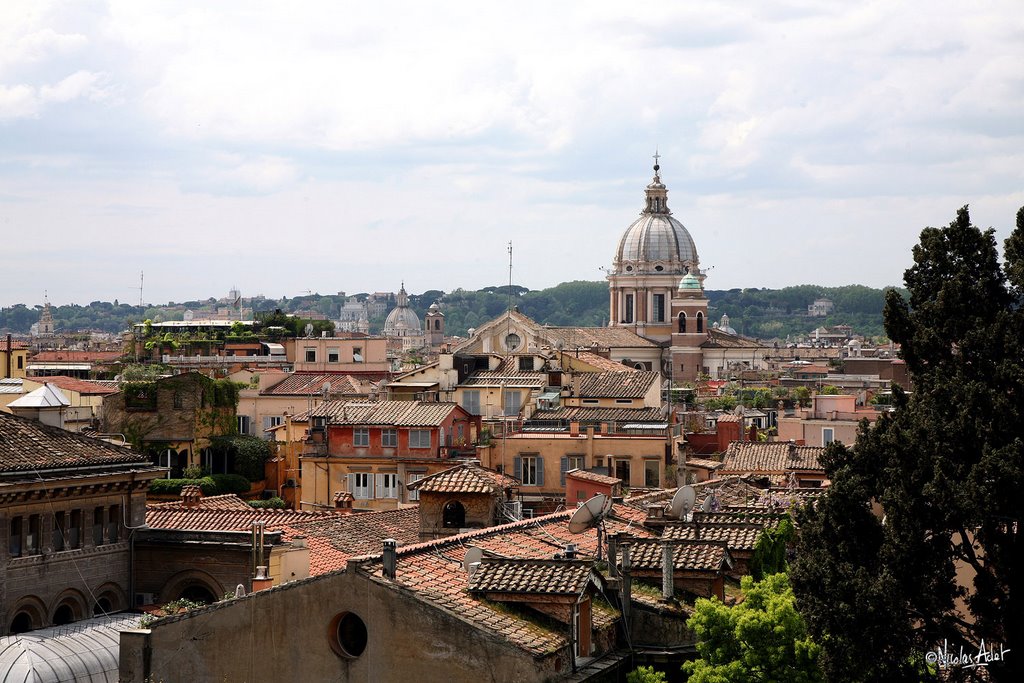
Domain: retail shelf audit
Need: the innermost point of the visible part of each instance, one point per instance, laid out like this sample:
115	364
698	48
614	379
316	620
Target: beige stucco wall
283	635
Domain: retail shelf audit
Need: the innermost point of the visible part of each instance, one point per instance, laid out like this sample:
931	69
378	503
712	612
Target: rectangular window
624	401
513	401
21	362
529	469
361	436
360	485
357	354
15	538
32	538
244	424
591	401
389	438
97	526
179	399
113	523
659	309
571	462
627	314
622	471
415	493
827	435
419	438
310	354
387	485
60	529
526	363
333	355
652	474
75	530
471	401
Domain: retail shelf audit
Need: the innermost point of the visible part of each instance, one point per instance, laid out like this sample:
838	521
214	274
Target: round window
629	268
659	268
512	341
347	635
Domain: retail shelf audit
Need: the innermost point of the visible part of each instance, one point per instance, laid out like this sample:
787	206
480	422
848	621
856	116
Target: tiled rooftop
27	445
702	463
599	362
717	338
75	356
465	479
593	476
227	501
740	536
615	384
646	555
312	384
333	539
392	413
602	337
227	518
775	457
510	378
590	415
82	386
533	576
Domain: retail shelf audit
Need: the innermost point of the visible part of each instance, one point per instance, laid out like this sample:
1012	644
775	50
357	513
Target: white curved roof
83	651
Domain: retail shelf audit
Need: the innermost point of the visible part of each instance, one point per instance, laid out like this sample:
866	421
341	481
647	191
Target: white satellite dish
682	501
473	556
309	329
587	514
708	502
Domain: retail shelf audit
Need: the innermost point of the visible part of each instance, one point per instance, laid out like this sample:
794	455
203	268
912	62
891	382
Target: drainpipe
613	555
7	362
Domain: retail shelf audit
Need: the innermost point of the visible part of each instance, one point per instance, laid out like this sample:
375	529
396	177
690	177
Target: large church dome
656	242
402	321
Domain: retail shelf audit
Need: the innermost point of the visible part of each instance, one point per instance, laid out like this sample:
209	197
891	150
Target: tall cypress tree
918	540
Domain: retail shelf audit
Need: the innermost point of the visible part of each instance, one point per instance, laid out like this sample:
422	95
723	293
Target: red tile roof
615	384
531	576
586	415
82	386
227	501
333	540
312	384
510	378
700	556
227	518
391	413
738	536
593	476
27	445
600	362
465	479
776	457
15	345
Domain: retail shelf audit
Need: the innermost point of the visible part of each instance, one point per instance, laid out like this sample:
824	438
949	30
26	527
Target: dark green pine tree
946	469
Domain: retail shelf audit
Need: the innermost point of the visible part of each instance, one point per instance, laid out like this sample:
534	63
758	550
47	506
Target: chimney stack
667	572
626	596
261	581
570	551
390	558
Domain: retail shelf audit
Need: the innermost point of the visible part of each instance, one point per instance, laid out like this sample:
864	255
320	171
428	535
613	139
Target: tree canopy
762	638
946	471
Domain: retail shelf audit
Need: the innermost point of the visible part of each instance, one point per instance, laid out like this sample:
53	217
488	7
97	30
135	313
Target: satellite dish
309	329
588	514
473	556
682	501
708	502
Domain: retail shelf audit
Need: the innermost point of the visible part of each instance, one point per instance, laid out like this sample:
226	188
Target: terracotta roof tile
767	458
465	479
333	539
615	384
600	362
646	555
586	415
534	576
86	387
702	463
510	378
396	413
27	445
584	475
227	501
312	384
225	518
602	337
740	536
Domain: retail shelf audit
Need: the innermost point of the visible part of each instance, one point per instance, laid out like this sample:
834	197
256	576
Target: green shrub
174	486
250	453
230	483
274	503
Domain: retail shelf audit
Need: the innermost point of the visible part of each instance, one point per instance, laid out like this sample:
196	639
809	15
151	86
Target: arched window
700	322
682	322
453	516
437	323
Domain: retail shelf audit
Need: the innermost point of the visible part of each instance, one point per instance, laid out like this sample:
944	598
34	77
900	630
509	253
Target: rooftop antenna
592	514
142	279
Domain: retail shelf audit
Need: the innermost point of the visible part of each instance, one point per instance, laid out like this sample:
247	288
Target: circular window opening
659	268
512	341
63	615
348	635
629	268
22	622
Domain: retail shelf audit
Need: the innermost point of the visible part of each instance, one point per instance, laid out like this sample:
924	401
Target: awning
549	395
59	366
645	425
274	349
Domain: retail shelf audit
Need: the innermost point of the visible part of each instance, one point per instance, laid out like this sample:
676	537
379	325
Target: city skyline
354	148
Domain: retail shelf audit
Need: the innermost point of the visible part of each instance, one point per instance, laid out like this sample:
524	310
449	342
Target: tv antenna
682	502
591	515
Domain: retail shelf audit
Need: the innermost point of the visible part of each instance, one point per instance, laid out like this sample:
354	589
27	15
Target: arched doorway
453	516
198	593
22	622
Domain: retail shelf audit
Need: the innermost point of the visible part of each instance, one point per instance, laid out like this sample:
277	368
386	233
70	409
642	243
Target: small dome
690	282
402	321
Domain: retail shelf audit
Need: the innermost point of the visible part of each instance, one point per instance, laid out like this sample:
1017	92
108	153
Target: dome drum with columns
656	285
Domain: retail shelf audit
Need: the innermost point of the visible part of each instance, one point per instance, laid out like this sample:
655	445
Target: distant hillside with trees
764	313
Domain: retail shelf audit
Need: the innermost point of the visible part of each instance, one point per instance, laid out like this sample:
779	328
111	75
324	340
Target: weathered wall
283	635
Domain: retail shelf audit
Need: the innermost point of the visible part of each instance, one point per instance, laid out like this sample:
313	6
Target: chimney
570	551
613	555
667	572
261	581
390	558
626	596
574	428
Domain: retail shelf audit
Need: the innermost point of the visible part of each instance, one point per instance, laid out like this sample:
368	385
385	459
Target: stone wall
286	634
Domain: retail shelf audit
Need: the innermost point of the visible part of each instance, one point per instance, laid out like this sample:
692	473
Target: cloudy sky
325	146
